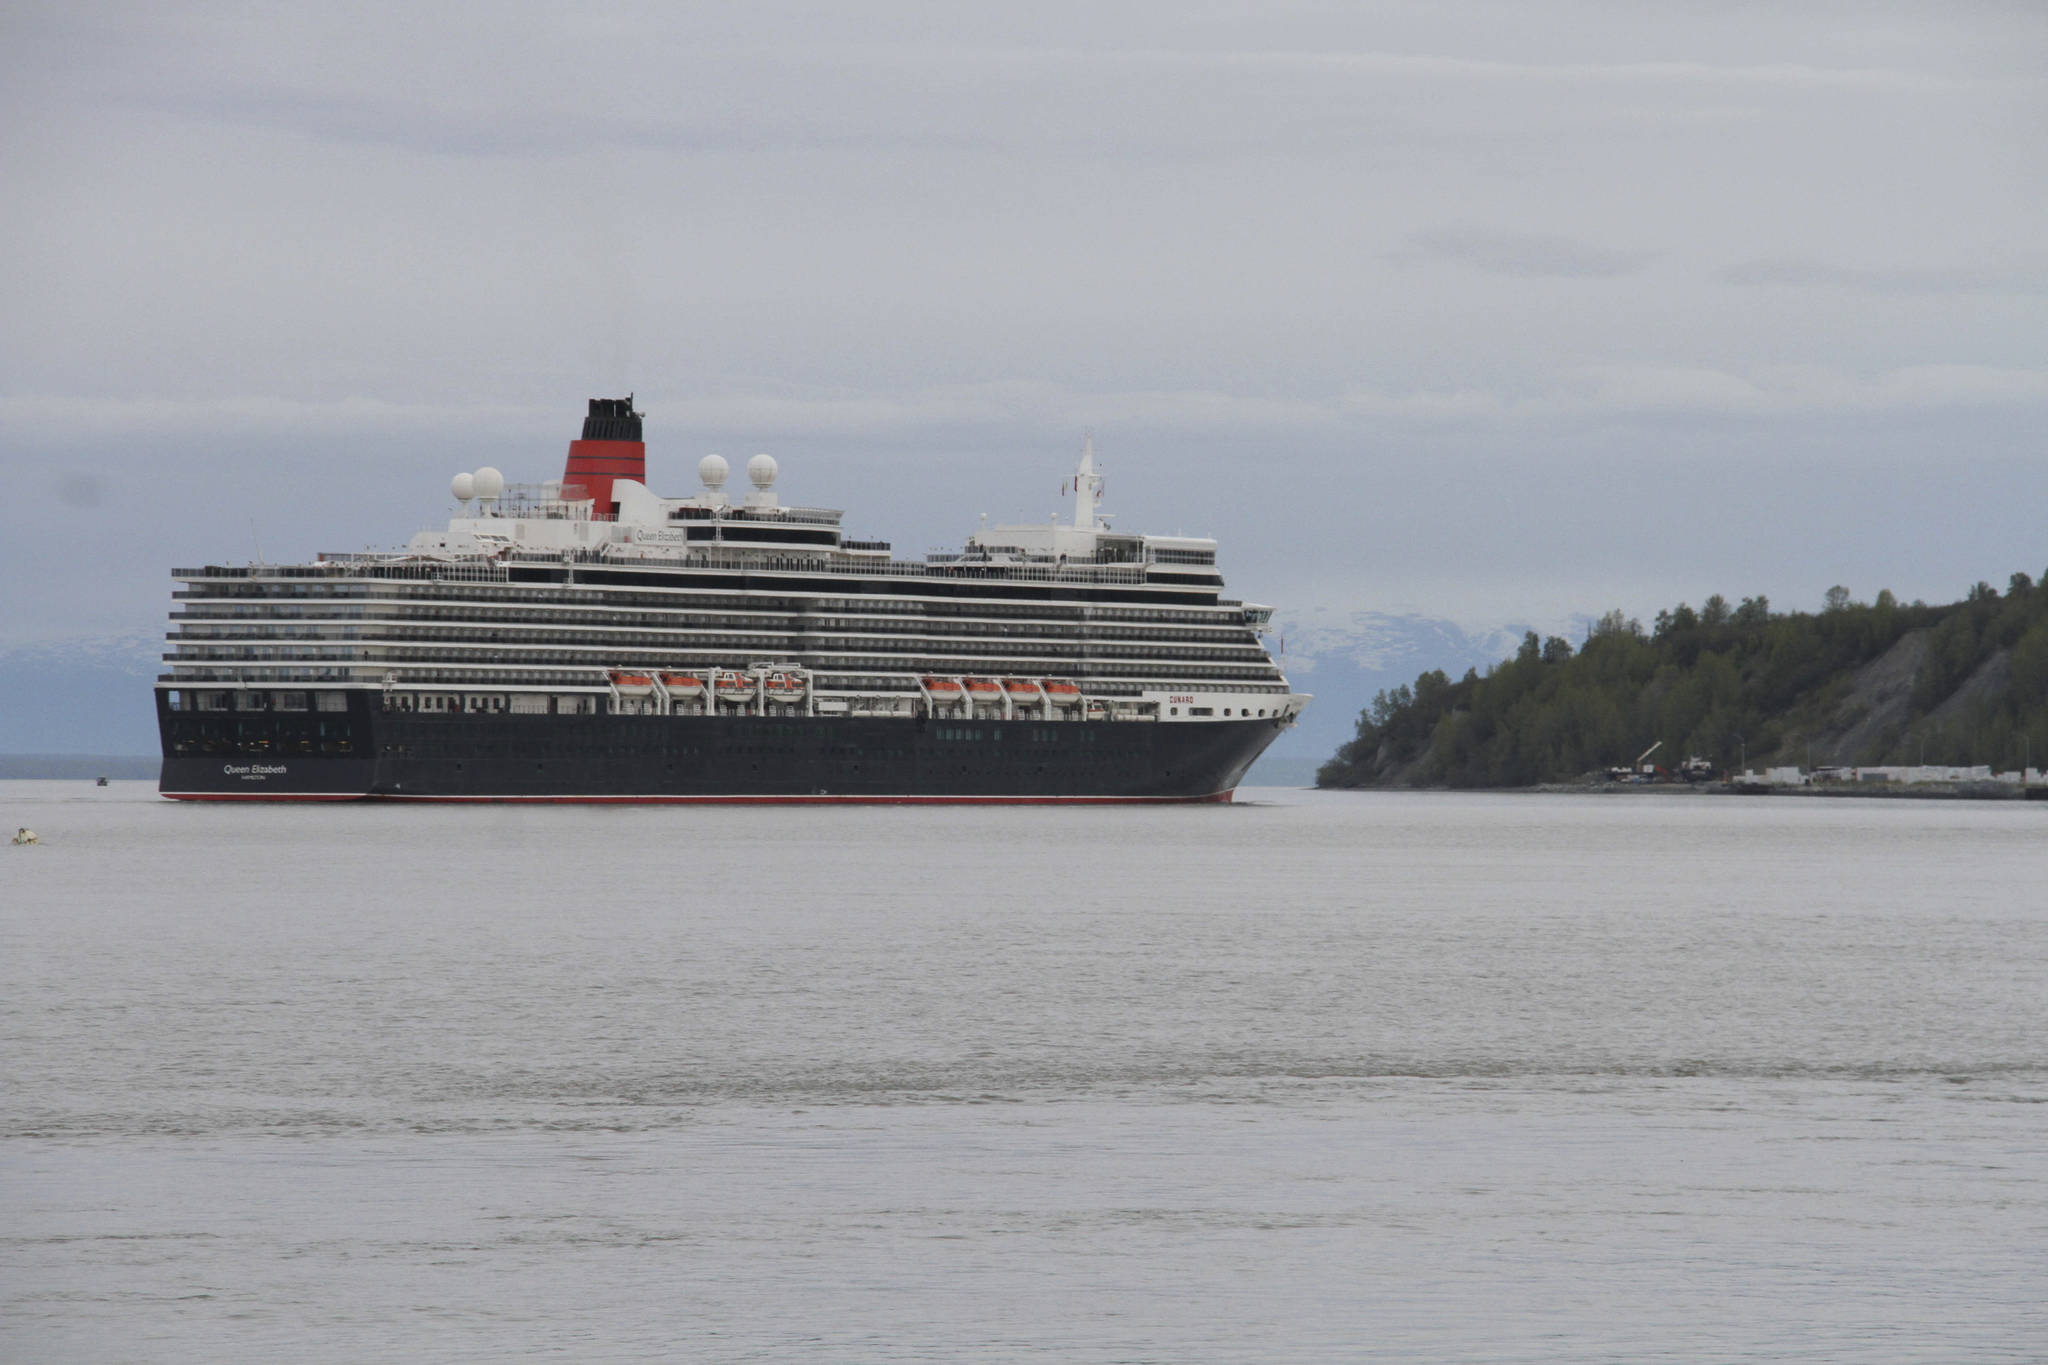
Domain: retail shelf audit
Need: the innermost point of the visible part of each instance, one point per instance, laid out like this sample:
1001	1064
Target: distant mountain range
80	696
92	695
1346	657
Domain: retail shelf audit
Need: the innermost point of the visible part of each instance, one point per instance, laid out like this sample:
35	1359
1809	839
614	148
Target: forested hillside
1878	682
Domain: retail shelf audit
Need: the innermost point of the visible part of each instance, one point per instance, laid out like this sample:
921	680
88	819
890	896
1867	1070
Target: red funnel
611	448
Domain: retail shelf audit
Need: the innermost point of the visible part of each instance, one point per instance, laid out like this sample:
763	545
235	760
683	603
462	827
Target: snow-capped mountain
85	695
1344	658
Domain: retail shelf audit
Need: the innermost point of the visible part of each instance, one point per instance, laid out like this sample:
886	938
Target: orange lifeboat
683	686
983	691
945	689
1061	693
785	687
735	687
1021	690
632	684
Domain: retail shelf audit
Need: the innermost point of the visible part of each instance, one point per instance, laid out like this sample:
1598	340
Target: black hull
269	755
441	757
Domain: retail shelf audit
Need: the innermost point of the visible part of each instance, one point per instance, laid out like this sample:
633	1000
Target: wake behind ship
584	639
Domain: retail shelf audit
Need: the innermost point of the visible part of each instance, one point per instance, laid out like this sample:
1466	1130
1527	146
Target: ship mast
1087	488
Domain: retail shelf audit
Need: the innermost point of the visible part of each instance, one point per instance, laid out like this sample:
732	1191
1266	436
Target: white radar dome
463	486
712	470
761	469
488	482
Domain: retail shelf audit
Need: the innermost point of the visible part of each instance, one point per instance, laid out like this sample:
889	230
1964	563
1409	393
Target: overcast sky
1488	311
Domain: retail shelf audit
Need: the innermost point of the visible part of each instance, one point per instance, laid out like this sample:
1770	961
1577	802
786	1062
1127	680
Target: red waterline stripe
265	796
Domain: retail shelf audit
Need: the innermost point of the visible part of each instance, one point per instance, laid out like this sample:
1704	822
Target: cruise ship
585	639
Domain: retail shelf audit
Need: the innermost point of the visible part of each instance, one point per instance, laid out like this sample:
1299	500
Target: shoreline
1919	791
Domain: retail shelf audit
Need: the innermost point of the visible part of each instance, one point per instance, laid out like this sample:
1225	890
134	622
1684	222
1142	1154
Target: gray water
1310	1078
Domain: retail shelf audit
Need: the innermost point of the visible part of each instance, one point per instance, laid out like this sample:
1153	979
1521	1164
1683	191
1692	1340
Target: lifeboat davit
735	687
683	685
632	684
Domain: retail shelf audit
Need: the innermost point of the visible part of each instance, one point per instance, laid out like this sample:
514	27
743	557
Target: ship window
1174	711
1201	710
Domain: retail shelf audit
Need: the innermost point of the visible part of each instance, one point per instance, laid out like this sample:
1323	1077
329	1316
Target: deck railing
497	570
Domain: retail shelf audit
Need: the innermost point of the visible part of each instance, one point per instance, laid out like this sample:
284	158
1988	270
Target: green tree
1716	683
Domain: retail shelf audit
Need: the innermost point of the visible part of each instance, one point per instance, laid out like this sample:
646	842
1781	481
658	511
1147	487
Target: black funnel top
612	419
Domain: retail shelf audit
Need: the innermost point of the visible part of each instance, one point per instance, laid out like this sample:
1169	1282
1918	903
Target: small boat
632	684
735	687
1021	689
945	689
683	686
25	835
102	782
983	690
1061	693
785	687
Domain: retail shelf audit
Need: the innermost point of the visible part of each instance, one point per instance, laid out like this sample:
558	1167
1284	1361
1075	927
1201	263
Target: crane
1638	771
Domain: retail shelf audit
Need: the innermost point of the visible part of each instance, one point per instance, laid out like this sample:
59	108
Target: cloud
1034	407
100	415
684	83
1521	255
1441	405
443	127
1798	272
1787	74
80	490
1793	391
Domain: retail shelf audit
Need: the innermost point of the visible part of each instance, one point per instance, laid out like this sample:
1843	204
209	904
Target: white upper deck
551	517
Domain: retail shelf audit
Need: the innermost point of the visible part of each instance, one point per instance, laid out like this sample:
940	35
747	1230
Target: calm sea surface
1309	1078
